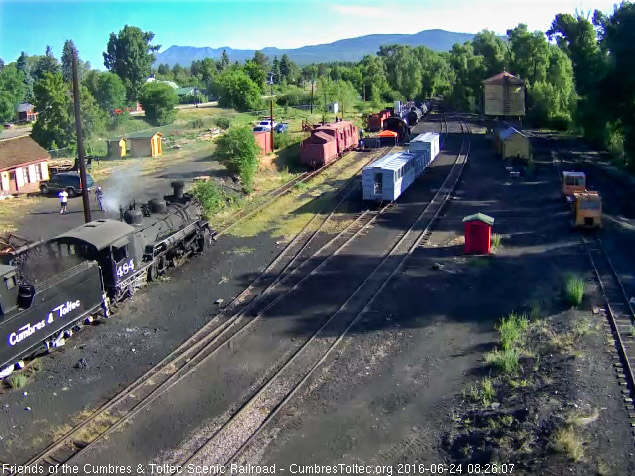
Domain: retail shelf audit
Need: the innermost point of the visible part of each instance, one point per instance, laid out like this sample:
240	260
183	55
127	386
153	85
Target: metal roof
479	217
143	135
504	77
25	107
573	174
505	133
426	137
392	161
98	233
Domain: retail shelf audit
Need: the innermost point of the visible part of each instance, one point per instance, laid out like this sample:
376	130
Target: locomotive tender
49	288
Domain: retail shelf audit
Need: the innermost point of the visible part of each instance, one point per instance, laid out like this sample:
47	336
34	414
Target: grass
17	380
483	393
574	290
506	361
478	262
567	442
513	330
496	241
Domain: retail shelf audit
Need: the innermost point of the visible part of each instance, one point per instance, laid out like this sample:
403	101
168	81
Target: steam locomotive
50	288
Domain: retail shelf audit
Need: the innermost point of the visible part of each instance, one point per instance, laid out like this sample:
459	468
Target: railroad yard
364	339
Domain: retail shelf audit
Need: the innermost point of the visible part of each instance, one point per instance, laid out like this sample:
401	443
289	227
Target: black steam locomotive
49	288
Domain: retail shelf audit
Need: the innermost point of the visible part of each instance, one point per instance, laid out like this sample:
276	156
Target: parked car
261	129
281	127
68	181
8	125
267	123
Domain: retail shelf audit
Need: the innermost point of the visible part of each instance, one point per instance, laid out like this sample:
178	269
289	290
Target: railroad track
620	315
273	195
240	429
285	270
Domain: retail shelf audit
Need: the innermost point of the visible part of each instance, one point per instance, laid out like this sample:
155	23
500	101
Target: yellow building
140	144
504	95
511	142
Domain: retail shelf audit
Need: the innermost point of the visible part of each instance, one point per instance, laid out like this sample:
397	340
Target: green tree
256	73
158	101
286	68
67	61
224	63
54	127
1	64
46	64
436	74
261	60
235	89
468	73
275	69
207	70
164	69
130	55
529	54
24	67
107	89
238	151
494	51
12	90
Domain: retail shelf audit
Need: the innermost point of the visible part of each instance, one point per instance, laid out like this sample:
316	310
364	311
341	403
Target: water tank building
504	95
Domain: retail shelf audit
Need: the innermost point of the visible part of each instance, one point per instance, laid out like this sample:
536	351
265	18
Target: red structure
478	234
263	139
328	142
376	121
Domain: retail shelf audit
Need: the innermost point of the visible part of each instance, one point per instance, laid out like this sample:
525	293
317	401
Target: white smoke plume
121	188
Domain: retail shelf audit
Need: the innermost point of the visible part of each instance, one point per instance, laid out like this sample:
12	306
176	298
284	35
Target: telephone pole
312	83
80	141
271	114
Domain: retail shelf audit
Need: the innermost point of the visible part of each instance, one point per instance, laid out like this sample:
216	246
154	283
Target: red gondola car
328	142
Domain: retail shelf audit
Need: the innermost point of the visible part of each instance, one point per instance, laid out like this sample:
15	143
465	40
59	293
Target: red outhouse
478	234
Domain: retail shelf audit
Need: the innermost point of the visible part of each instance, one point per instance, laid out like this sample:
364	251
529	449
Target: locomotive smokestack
177	186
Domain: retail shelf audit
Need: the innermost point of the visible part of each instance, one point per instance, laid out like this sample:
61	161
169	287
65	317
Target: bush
223	122
238	151
158	101
284	140
574	290
17	380
211	197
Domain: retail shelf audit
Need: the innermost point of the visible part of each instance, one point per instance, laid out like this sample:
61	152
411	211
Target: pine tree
47	64
223	64
275	68
23	66
67	60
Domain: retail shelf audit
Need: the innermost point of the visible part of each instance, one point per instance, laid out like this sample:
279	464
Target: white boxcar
427	143
388	177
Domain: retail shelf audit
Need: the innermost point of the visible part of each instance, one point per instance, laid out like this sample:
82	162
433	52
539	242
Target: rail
204	343
243	426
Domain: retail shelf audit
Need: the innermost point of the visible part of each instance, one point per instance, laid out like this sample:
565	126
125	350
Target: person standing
99	194
63	196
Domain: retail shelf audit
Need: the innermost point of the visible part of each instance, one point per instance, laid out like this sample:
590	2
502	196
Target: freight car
50	288
387	178
328	142
376	121
398	125
414	116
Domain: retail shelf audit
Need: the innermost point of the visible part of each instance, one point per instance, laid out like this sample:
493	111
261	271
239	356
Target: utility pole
325	108
312	83
271	114
342	108
80	141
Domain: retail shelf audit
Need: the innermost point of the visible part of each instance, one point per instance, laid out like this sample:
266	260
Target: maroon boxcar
376	121
327	142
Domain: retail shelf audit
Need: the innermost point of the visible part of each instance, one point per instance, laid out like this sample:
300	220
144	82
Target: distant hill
352	49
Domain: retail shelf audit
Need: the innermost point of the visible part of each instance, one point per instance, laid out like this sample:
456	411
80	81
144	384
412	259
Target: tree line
579	75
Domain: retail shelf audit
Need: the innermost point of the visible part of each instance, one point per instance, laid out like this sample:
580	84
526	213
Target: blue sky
31	25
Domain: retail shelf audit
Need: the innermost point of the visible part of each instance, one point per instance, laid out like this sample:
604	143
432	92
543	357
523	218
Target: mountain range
351	49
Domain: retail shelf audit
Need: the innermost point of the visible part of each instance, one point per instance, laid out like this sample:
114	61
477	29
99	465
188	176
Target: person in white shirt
63	201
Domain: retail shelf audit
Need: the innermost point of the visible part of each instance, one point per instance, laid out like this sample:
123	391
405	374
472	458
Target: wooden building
26	112
23	164
512	143
504	95
139	144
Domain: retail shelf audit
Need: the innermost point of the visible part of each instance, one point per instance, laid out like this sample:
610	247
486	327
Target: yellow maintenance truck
586	206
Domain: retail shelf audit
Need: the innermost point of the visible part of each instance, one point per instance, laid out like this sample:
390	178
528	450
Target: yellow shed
513	143
145	144
504	95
